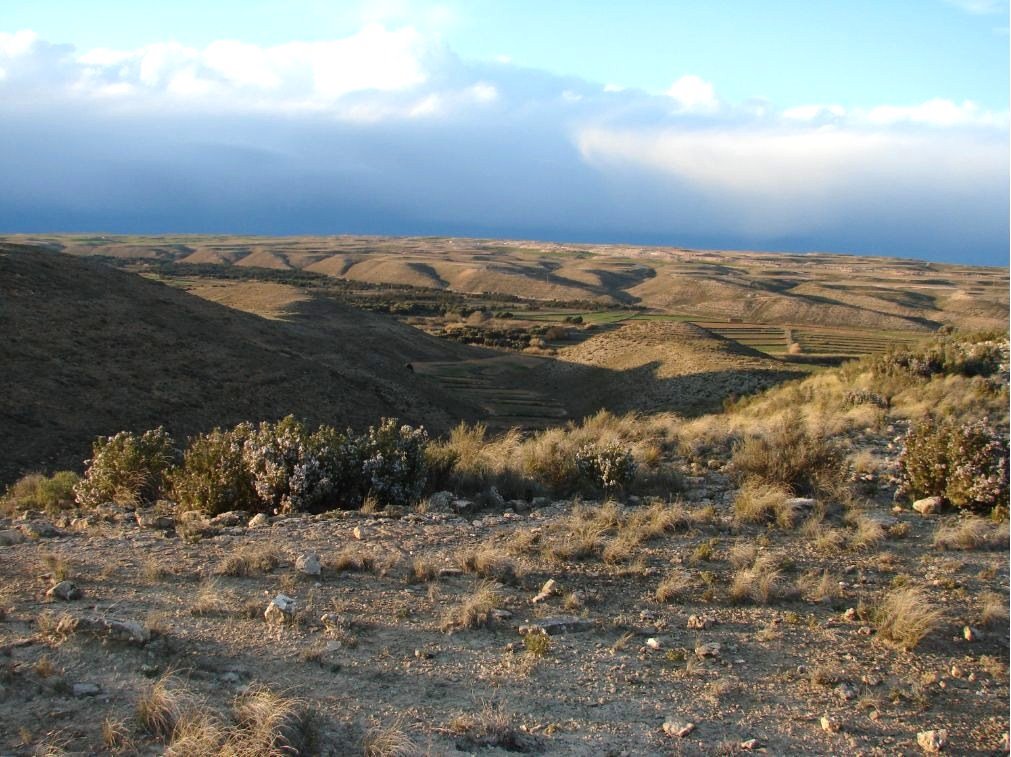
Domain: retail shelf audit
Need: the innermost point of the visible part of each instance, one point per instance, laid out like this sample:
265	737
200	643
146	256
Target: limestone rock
86	690
65	590
230	519
308	563
707	649
932	742
281	610
441	502
155	521
10	537
927	505
830	724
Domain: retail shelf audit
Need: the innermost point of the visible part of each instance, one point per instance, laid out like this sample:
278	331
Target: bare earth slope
90	350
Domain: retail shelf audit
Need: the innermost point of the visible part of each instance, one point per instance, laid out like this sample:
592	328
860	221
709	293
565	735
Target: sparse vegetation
906	615
127	469
36	491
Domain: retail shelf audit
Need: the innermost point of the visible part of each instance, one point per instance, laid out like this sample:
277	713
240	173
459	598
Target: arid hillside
814	289
91	350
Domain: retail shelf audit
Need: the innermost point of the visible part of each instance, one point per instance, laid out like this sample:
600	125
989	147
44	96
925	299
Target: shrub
905	616
550	460
330	472
789	455
38	492
213	476
126	468
393	462
610	467
271	453
967	464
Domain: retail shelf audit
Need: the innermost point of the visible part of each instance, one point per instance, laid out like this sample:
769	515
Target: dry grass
57	566
475	611
270	724
354	557
163	706
423	570
491	726
390	740
993	611
760	583
249	560
758	501
115	734
971	532
211	598
823	588
492	563
153	571
868	533
906	616
742	555
674	586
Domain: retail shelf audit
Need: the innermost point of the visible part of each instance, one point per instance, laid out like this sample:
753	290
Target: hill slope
90	350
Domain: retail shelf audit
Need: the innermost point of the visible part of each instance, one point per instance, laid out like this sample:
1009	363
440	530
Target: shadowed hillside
91	350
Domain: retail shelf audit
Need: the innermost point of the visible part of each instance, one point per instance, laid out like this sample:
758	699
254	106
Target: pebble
308	563
86	690
678	728
280	610
549	589
830	724
65	590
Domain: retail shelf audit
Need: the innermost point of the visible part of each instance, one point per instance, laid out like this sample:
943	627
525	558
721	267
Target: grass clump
491	563
970	533
127	469
36	491
759	501
491	726
249	560
475	611
905	616
674	586
760	583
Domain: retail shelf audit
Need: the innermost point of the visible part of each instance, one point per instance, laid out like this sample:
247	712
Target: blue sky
860	126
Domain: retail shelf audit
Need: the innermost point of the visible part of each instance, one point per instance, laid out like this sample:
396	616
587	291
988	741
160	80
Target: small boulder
830	724
707	649
927	505
280	611
441	502
932	742
155	521
40	529
308	564
230	519
698	622
556	626
10	537
64	590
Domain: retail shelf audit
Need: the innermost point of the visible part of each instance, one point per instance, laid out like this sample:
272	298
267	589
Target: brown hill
88	350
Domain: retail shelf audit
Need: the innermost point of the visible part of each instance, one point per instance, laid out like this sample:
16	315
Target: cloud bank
388	131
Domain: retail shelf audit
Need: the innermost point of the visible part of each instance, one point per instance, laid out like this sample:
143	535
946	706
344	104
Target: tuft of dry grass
354	557
972	532
491	726
674	586
423	570
249	560
57	566
823	588
868	533
905	616
153	571
199	731
390	740
475	611
759	501
115	734
162	706
270	724
993	610
211	598
742	555
492	563
759	584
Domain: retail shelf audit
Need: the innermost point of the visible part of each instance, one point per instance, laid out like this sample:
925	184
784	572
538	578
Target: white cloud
936	112
694	94
814	112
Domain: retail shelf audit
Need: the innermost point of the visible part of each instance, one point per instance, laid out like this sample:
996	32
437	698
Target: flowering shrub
271	453
611	466
393	462
329	473
213	476
966	464
954	356
126	468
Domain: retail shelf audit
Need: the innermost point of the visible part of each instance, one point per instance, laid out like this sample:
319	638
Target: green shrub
393	462
967	464
36	491
126	468
790	456
550	460
213	476
329	474
271	452
610	467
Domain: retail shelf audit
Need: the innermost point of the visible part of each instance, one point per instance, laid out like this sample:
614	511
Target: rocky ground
422	632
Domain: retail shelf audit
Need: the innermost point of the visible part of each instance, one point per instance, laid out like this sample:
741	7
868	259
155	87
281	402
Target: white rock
549	589
830	724
259	521
308	563
280	610
678	728
653	643
86	690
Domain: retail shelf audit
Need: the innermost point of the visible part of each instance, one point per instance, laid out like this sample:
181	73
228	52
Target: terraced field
494	384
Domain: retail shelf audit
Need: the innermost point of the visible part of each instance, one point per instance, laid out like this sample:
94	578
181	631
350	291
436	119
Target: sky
834	125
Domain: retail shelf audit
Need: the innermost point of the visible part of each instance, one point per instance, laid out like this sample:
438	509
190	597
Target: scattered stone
932	742
281	610
698	622
498	614
65	590
519	505
556	626
971	634
308	564
830	724
10	537
749	744
549	589
678	728
441	501
333	621
707	649
462	505
927	505
259	521
850	614
493	498
1005	742
653	643
358	533
87	690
